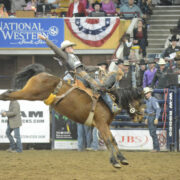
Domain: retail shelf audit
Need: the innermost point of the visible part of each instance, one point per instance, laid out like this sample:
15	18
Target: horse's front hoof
117	165
124	162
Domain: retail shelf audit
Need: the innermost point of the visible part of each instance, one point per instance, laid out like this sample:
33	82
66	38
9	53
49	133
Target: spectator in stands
149	73
76	9
7	5
153	113
3	14
112	81
130	10
116	3
17	5
140	37
176	30
123	2
31	5
108	7
114	76
140	73
172	48
156	59
54	3
159	80
13	124
168	42
97	12
90	6
146	7
126	81
84	2
84	137
127	43
160	75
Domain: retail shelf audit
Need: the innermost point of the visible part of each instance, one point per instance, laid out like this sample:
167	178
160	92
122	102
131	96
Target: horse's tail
22	76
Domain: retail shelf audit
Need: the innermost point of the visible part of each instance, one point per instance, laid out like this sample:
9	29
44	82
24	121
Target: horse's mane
124	96
26	73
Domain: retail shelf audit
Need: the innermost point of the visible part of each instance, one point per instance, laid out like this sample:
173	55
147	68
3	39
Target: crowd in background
125	8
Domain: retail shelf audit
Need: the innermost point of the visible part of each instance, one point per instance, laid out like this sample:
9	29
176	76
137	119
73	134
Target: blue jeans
94	143
152	131
14	146
84	136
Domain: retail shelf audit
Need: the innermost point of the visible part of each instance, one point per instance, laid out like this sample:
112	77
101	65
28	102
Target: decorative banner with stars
93	31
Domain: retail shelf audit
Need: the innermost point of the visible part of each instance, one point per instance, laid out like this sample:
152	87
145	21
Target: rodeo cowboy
72	62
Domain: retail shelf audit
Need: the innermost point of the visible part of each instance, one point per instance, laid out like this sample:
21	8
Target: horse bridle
132	110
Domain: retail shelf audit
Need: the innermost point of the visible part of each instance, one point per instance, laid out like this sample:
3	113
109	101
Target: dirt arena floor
74	165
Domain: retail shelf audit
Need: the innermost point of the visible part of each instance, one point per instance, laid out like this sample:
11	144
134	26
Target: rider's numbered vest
73	61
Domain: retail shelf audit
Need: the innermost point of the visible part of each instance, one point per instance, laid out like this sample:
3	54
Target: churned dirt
74	165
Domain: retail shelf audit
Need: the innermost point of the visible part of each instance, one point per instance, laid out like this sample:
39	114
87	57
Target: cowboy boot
110	103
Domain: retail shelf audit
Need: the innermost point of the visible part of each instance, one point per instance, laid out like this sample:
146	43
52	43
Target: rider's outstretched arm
57	50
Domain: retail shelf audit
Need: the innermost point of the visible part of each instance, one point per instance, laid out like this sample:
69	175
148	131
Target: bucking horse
33	83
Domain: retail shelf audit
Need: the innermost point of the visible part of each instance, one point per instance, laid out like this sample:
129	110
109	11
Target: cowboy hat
96	3
147	90
173	38
66	44
161	61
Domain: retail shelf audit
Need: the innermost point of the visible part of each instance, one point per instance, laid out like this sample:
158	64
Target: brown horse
76	105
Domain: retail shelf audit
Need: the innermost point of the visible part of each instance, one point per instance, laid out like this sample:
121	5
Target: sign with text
23	33
64	132
35	122
139	139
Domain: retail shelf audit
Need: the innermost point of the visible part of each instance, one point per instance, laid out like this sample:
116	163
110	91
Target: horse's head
132	101
136	110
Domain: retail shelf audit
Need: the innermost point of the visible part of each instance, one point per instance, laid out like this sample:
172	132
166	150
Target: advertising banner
86	32
35	122
23	33
138	139
64	132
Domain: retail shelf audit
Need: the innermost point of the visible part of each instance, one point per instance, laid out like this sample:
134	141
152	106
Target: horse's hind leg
37	88
107	137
